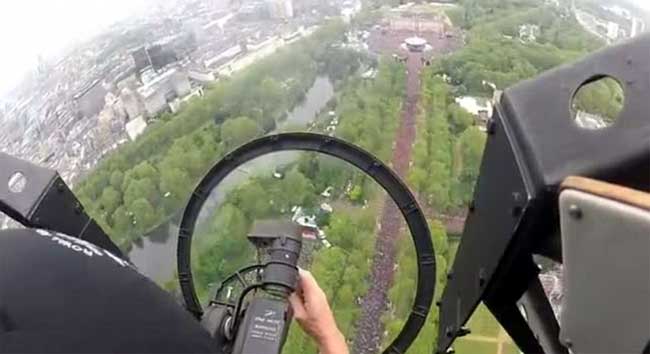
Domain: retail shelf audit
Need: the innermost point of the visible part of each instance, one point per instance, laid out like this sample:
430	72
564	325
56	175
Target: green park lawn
482	323
469	346
510	348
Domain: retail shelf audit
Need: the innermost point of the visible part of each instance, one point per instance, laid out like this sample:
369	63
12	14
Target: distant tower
288	8
232	3
280	9
41	65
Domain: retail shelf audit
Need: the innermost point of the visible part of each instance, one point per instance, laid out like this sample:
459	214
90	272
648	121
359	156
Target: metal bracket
533	145
45	201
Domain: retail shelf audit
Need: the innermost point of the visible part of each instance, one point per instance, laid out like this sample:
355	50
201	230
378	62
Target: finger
298	307
307	281
308	285
310	289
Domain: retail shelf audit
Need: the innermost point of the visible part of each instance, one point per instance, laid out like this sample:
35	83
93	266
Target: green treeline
448	147
144	182
447	150
494	51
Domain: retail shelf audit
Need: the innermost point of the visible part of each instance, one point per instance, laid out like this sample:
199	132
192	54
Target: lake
155	253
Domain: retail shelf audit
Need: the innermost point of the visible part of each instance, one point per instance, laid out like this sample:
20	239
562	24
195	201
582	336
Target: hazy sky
642	3
32	27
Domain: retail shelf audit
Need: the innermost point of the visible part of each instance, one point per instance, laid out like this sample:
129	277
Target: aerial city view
134	109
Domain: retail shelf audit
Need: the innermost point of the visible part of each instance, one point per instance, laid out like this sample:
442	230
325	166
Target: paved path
369	326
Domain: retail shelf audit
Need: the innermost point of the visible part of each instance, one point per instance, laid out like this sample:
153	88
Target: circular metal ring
350	153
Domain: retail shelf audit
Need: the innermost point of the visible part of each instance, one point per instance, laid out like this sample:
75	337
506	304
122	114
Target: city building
590	121
407	22
113	112
176	104
156	56
131	82
200	75
528	32
253	11
619	11
197	30
280	9
154	100
223	57
132	103
219	23
89	101
136	127
180	83
349	9
480	107
612	30
302	7
163	88
261	50
638	26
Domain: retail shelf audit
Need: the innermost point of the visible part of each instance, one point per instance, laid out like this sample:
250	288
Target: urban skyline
74	109
58	27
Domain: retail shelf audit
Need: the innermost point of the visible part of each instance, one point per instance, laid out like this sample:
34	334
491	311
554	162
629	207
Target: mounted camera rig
340	149
525	203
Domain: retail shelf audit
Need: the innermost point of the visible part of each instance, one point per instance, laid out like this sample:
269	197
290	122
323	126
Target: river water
155	253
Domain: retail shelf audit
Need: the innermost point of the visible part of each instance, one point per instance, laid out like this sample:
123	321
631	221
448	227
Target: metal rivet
449	332
568	343
463	331
575	212
491	126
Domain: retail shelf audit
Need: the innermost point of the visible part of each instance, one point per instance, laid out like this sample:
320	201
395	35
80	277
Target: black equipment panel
533	145
46	202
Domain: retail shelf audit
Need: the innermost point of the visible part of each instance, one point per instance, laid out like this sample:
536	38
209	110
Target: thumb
298	307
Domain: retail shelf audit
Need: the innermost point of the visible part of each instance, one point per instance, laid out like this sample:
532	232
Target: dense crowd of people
369	328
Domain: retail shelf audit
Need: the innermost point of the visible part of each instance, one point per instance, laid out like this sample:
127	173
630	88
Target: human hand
313	313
